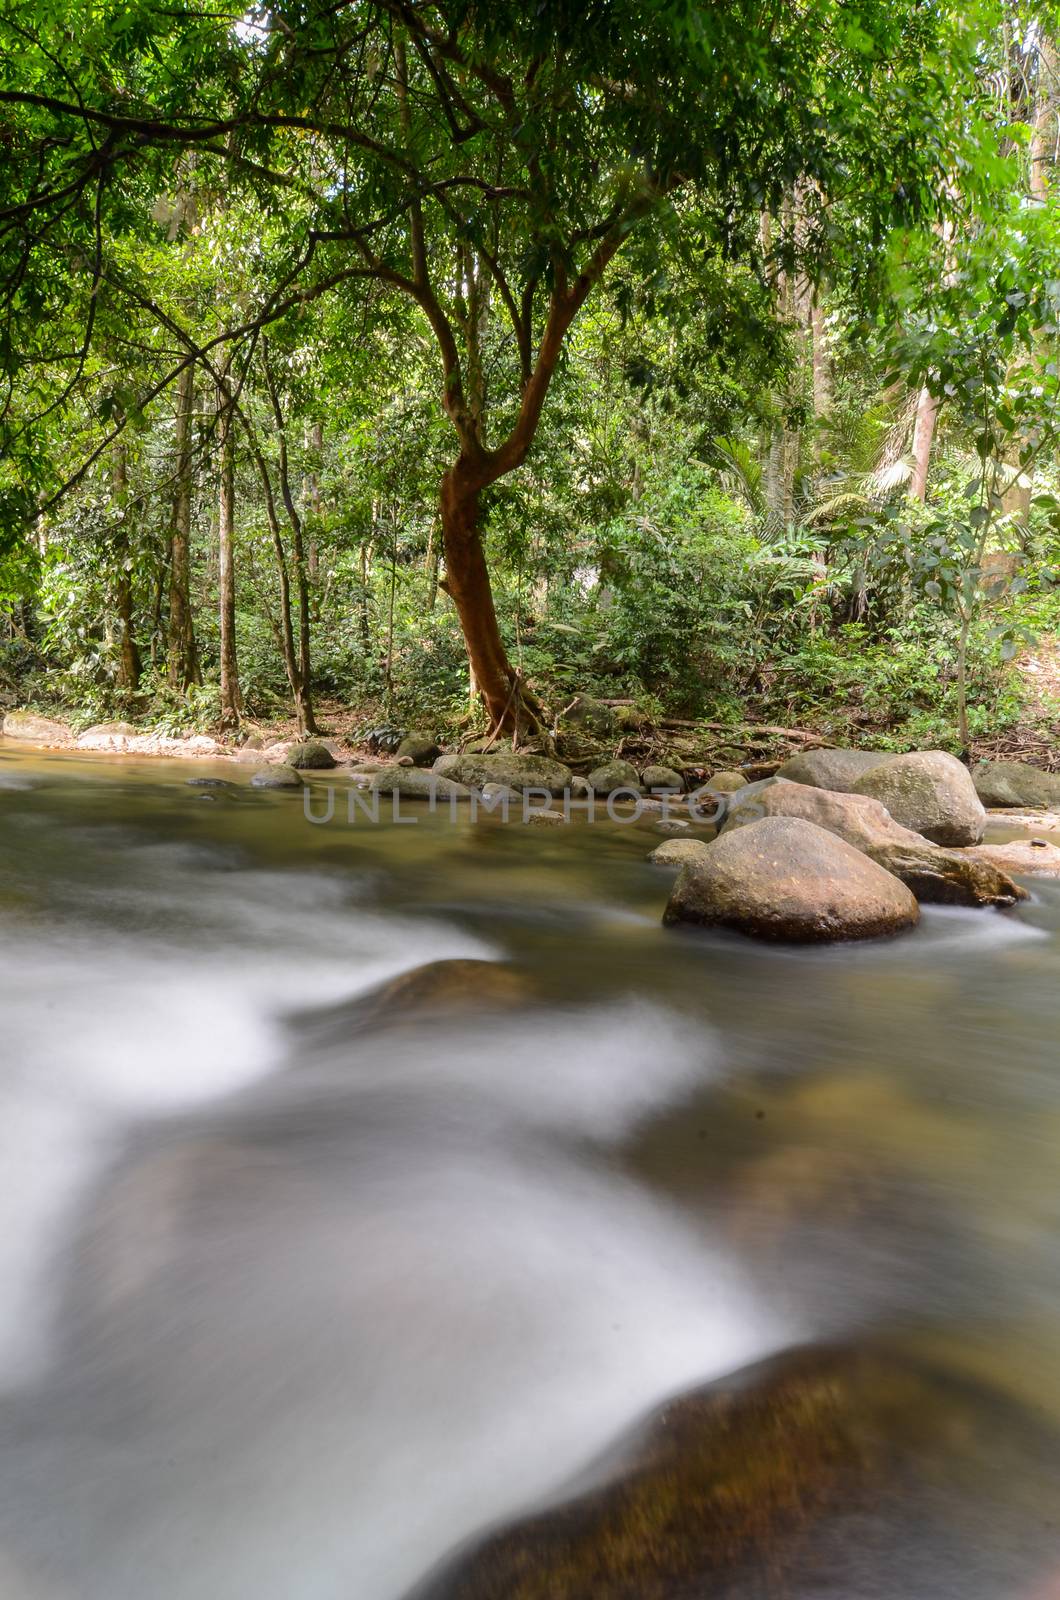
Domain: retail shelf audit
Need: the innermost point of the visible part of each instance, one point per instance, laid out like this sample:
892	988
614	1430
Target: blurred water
282	1319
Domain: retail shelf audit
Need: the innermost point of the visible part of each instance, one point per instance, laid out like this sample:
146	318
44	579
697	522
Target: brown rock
784	878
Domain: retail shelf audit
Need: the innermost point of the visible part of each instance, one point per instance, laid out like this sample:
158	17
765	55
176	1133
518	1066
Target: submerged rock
280	777
1016	783
930	792
811	1473
39	730
787	879
614	775
211	783
435	992
311	756
832	769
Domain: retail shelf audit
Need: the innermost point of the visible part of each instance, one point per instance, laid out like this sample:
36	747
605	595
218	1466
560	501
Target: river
289	1309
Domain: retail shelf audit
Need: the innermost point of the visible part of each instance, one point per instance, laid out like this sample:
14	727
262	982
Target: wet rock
614	775
507	767
211	783
435	992
948	877
1025	857
279	777
936	876
930	792
727	780
832	769
494	793
37	730
544	819
811	1473
310	756
671	825
1016	783
413	784
677	852
420	748
662	778
786	879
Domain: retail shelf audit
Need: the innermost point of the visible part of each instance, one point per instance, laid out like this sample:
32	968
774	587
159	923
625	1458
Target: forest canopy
440	361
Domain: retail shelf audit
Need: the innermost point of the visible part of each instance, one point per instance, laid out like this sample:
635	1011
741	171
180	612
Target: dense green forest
436	362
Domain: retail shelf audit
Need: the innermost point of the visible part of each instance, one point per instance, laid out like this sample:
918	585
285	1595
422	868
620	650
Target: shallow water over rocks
296	1302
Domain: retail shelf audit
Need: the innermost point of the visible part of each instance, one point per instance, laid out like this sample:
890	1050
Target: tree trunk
231	695
927	410
511	708
183	665
129	664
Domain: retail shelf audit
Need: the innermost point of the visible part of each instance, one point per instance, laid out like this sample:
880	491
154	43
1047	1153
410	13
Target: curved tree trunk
511	706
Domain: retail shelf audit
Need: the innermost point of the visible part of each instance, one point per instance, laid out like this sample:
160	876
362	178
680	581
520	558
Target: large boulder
310	756
859	820
507	767
787	879
36	730
614	775
936	876
831	769
1016	783
413	784
823	1471
930	792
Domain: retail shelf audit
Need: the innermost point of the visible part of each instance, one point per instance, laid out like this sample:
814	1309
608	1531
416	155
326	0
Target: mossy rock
753	1487
311	756
279	777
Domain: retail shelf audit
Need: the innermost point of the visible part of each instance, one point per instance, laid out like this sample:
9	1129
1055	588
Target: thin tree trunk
183	665
304	696
927	410
231	695
130	666
316	503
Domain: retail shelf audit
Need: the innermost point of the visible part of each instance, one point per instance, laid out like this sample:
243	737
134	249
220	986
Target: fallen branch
739	730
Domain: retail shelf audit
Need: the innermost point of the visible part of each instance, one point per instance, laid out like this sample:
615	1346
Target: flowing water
287	1312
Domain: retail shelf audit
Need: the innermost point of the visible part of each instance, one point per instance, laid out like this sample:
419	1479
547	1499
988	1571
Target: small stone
677	852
